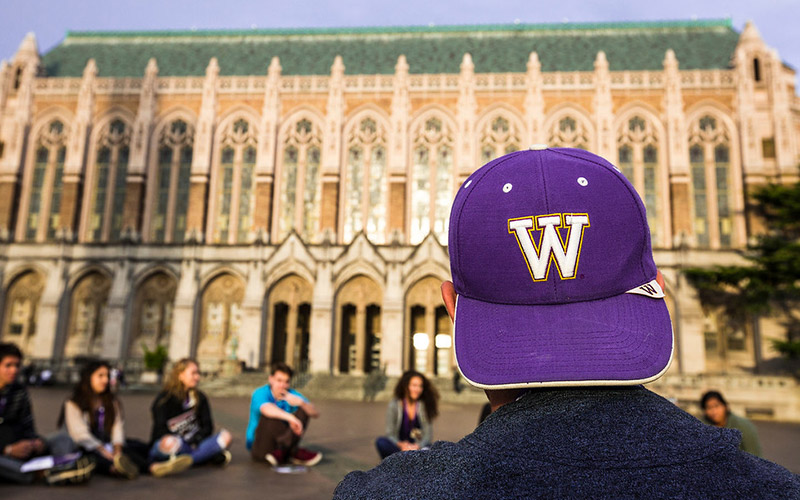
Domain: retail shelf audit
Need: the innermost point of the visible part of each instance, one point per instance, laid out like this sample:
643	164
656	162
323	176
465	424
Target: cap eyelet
582	181
466	185
507	187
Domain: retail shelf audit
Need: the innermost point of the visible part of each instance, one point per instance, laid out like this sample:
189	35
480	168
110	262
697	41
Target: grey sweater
580	443
394	419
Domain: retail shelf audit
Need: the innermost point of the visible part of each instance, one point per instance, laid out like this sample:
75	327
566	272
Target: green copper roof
706	44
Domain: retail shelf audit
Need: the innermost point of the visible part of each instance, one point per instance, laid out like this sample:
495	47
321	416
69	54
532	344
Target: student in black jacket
183	429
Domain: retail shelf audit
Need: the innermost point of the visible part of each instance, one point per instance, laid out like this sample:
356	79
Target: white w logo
551	247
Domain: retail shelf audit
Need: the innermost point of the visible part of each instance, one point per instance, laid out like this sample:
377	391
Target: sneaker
175	465
306	457
222	459
125	466
75	472
275	457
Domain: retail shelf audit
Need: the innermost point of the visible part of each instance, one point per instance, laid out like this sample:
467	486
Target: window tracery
152	318
111	168
637	149
235	182
300	181
172	181
365	181
46	183
498	137
22	304
431	180
568	132
709	158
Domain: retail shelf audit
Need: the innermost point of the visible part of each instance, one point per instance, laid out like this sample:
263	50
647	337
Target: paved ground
345	434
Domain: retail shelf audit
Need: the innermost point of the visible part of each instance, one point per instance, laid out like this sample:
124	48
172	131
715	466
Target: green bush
789	348
155	359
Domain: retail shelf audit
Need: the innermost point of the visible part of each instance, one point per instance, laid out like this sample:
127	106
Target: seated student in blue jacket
278	418
559	315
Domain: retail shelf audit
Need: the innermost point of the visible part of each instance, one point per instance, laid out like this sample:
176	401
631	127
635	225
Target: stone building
270	195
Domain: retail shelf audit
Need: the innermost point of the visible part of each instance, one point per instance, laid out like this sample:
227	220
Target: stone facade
304	218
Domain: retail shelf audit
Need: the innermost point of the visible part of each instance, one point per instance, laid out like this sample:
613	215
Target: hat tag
651	289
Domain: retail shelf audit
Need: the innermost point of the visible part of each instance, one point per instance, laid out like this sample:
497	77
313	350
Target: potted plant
154	361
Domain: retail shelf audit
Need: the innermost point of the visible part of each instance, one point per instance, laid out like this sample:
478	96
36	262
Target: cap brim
622	340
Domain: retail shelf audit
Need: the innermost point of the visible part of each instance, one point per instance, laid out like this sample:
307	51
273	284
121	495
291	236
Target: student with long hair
93	418
183	430
410	415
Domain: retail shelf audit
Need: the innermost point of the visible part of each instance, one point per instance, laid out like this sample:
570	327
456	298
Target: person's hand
407	446
296	425
105	454
311	410
293	399
20	450
39	447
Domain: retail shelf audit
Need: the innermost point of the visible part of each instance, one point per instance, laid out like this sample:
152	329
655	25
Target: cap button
538	147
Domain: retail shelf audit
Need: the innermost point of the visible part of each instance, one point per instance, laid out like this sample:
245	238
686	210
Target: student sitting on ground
717	413
93	418
409	416
183	430
278	418
18	439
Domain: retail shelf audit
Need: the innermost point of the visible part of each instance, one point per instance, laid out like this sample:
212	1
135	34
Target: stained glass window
366	184
235	200
110	183
172	182
298	196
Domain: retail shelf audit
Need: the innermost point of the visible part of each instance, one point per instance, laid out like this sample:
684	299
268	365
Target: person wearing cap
559	315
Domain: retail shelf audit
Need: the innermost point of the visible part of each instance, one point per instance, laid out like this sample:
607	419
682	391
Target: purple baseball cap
551	260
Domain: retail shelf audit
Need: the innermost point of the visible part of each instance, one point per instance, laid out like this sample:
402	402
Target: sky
776	20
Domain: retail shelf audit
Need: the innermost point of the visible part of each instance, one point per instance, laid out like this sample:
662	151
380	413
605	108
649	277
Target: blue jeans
386	447
201	453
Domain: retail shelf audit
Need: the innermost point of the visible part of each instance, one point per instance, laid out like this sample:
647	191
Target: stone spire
603	109
144	119
467	108
201	159
28	50
401	110
270	116
534	102
82	123
334	118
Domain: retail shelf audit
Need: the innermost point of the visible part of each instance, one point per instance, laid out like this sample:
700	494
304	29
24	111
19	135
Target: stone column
47	343
398	148
534	102
184	329
115	325
321	335
267	147
467	107
392	322
430	327
361	338
291	335
603	108
201	157
250	332
677	154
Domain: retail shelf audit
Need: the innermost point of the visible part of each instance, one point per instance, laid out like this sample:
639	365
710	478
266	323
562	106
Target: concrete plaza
345	434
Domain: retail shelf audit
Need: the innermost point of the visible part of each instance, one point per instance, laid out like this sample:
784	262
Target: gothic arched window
46	183
431	180
234	184
365	181
108	189
299	193
709	157
637	149
498	137
568	132
172	180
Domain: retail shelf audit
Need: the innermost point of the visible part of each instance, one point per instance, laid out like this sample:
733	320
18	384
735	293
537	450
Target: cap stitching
547	211
469	193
